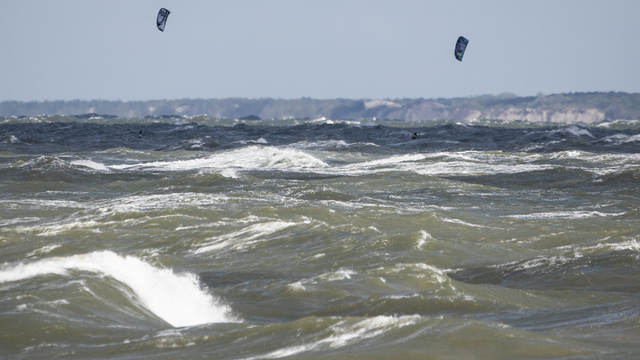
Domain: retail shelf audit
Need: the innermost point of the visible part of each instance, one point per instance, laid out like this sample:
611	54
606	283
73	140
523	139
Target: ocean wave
177	299
244	239
254	157
9	139
627	176
575	130
568	267
564	215
144	203
344	333
54	164
329	145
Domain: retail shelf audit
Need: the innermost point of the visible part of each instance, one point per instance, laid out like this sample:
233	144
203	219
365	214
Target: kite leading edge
163	14
461	46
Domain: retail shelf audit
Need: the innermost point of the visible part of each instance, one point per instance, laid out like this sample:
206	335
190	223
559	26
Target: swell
55	137
603	268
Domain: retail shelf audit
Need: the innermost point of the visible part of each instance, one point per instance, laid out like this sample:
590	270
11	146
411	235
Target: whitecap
346	332
43	250
252	157
90	164
245	238
634	138
297	286
9	139
178	299
565	215
230	173
424	236
578	131
457	221
342	274
574	130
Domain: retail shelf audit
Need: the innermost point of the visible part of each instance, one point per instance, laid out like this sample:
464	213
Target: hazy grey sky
111	49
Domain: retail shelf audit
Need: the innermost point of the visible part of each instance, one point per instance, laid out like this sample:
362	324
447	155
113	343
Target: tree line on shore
569	107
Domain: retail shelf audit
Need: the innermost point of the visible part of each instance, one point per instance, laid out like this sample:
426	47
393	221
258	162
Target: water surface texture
317	239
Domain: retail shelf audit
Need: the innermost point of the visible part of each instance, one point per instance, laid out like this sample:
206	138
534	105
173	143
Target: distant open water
318	239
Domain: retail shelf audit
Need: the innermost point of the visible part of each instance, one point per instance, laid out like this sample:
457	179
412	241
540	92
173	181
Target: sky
323	49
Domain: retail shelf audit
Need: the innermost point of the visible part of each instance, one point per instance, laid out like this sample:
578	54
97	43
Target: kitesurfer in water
415	135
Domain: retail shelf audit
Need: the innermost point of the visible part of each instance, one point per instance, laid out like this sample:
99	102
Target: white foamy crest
329	145
578	131
90	164
461	163
345	333
245	238
177	299
632	245
53	162
545	262
458	221
320	144
565	215
424	236
43	250
573	130
474	168
420	270
619	139
297	286
9	139
229	173
250	157
633	138
628	245
393	160
160	201
259	141
342	274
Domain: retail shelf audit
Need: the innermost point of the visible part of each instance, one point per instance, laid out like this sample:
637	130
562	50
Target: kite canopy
163	14
461	46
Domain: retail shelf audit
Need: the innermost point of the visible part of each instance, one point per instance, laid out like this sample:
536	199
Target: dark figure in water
415	135
140	135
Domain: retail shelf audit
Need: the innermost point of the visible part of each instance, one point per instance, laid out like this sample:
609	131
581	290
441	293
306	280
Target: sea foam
345	333
177	299
253	157
90	164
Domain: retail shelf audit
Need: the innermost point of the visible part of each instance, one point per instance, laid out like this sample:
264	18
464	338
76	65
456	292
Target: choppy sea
207	238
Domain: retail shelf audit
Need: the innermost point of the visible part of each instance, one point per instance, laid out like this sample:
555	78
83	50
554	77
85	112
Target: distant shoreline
591	107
